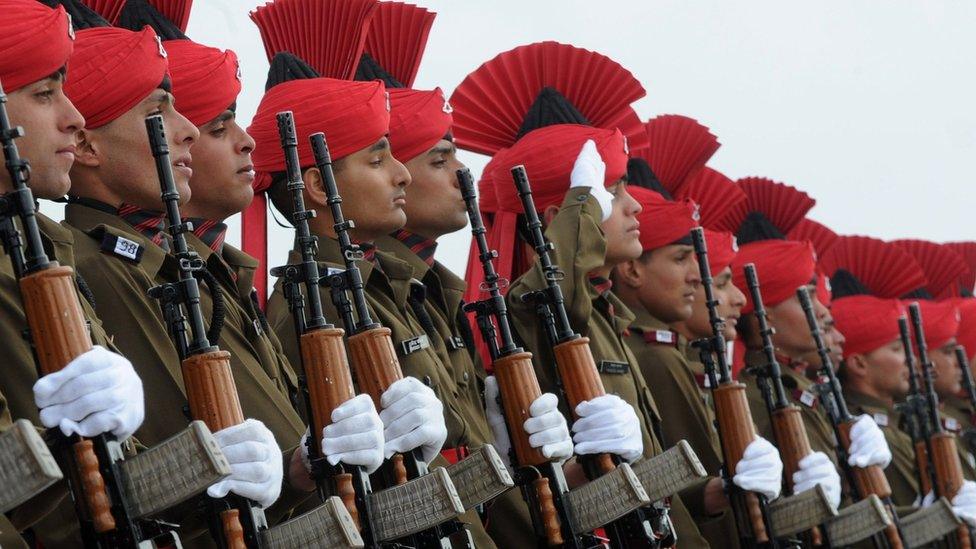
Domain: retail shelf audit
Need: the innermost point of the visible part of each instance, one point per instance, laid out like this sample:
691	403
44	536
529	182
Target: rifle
969	433
371	350
99	475
235	521
543	484
326	382
788	430
577	372
943	454
734	424
865	480
915	411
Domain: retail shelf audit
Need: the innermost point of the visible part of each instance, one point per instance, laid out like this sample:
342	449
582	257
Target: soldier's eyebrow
380	145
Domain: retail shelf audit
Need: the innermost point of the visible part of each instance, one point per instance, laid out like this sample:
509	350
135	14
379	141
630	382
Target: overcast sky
865	105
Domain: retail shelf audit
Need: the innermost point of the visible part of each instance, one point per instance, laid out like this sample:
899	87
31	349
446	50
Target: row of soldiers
620	203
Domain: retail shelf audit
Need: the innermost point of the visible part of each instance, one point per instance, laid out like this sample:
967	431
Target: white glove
608	425
255	461
413	418
590	171
964	504
760	469
496	420
546	427
816	469
95	393
868	445
355	436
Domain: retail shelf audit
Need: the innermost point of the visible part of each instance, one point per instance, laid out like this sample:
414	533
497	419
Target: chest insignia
122	247
414	344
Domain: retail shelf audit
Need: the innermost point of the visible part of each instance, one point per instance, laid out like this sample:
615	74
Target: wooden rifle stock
329	384
581	382
377	367
948	473
60	334
871	480
794	445
519	388
737	431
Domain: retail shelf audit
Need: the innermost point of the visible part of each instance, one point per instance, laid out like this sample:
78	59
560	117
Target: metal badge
414	344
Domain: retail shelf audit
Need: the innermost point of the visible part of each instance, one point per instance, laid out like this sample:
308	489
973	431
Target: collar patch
122	247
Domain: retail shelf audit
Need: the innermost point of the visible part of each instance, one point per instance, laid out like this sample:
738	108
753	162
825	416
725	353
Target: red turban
940	319
35	40
782	266
418	120
112	70
353	115
662	221
721	250
967	325
205	80
867	322
548	155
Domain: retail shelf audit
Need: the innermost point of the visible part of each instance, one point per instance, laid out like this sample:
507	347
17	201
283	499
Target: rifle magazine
790	515
26	465
669	472
858	522
327	526
417	505
480	477
174	470
605	499
929	524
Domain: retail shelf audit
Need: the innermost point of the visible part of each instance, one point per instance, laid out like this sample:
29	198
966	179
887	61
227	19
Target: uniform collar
445	285
209	231
868	404
421	246
97	222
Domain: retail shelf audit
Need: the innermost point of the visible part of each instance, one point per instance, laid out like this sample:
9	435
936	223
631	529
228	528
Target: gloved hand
496	420
964	504
255	462
760	469
97	392
608	425
868	445
590	171
355	436
816	469
413	418
546	427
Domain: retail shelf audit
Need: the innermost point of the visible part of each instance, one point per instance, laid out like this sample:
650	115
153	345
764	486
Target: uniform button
583	197
465	376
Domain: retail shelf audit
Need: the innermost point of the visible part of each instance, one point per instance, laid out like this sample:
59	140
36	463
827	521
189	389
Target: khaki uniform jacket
507	517
958	418
387	289
902	473
120	285
16	388
661	354
580	248
799	391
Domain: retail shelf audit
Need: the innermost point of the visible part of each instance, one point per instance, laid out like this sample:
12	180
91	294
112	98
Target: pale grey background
866	105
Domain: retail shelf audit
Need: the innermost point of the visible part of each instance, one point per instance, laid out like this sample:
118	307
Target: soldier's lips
67	152
182	165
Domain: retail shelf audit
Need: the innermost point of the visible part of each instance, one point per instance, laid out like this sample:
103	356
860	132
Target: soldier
99	391
867	276
783	267
576	172
371	181
121	77
822	239
943	268
206	82
662	288
420	138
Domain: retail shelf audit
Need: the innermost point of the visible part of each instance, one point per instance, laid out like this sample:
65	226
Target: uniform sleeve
579	249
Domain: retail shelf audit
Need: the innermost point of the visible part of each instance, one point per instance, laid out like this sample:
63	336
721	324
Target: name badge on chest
807	398
455	342
414	344
612	367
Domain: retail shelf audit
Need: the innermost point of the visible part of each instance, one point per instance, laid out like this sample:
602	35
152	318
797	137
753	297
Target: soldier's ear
856	365
315	188
86	150
549	214
629	273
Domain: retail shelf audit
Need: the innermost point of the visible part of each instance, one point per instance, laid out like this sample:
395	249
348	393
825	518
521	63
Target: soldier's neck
869	391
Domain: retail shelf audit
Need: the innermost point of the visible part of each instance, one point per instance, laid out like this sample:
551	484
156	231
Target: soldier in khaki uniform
662	287
32	73
783	267
119	247
873	370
